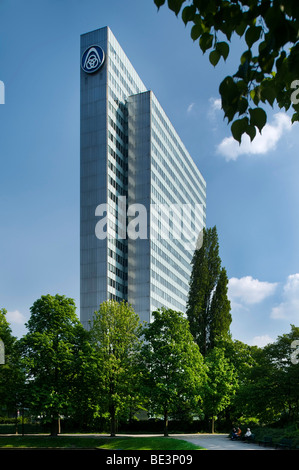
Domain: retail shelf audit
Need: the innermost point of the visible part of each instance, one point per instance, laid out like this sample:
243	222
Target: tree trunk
55	426
112	421
16	423
213	424
165	423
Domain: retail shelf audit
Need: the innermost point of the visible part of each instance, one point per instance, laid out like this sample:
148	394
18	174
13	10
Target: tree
173	368
285	374
268	70
269	387
48	355
115	335
208	308
11	374
220	310
221	385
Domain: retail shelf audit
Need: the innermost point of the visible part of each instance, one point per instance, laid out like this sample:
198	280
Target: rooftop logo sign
92	59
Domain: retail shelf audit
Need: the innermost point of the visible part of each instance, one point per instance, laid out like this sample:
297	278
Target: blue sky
252	190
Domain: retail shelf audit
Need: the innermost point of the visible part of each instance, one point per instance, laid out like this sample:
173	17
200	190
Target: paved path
208	441
218	442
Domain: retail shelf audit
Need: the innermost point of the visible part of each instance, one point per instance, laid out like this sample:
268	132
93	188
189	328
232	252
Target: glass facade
139	186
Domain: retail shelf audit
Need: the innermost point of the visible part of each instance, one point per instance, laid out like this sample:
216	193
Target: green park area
180	373
117	443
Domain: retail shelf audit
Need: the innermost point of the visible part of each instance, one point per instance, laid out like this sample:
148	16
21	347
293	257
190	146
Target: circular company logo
92	59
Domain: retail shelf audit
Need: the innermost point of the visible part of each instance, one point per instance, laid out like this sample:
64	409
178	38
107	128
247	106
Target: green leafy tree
83	383
285	374
115	335
221	385
48	355
220	316
269	388
174	372
268	68
208	308
11	374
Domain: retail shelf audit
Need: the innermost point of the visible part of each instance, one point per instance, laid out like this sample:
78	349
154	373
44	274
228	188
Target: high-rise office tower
143	199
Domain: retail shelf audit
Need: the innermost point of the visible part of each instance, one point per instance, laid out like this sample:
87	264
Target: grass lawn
115	443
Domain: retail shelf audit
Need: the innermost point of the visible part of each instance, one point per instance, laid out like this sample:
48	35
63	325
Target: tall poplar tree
208	308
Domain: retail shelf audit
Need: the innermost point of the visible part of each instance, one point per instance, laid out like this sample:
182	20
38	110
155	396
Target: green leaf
159	3
206	41
266	63
230	95
258	118
238	128
252	35
242	105
251	131
196	31
188	14
228	89
295	117
268	94
240	29
214	57
175	5
255	95
223	49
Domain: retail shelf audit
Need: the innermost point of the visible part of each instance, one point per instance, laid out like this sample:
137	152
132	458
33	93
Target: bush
277	434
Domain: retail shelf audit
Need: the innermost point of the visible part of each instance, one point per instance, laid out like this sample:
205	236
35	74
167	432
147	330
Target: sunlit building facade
142	198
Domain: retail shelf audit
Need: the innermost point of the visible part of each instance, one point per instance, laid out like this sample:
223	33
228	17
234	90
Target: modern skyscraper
143	199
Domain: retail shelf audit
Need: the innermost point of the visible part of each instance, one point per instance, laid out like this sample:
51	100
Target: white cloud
190	107
261	341
215	105
289	308
262	143
248	290
15	317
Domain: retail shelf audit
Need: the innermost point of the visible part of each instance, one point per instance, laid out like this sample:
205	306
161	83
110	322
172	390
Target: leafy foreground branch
268	71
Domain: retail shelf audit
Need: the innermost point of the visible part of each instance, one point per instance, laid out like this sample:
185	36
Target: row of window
176	253
125	71
168	285
120	259
170	274
174	178
114	297
173	163
118	145
168	298
116	86
118	272
183	157
119	132
117	186
121	246
117	115
117	158
116	285
118	173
